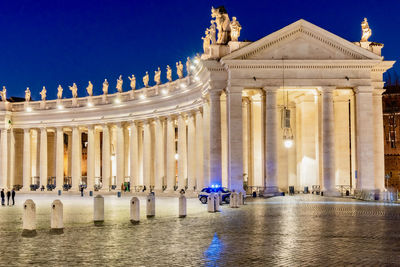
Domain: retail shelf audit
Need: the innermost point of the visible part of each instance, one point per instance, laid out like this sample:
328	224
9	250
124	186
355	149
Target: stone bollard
232	200
57	224
98	214
220	198
241	198
182	206
135	210
216	202
29	219
210	203
151	205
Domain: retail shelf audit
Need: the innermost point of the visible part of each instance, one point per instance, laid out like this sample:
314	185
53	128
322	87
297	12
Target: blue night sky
46	43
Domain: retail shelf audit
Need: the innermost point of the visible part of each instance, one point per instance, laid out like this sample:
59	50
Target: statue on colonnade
133	82
146	80
179	69
169	73
89	88
366	31
119	84
59	91
105	87
43	93
27	94
4	94
74	90
157	76
235	29
188	64
221	18
206	41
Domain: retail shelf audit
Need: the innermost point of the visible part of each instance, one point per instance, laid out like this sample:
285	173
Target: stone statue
74	90
105	87
157	76
221	18
4	94
146	80
188	64
119	84
43	93
169	73
89	89
27	94
212	33
59	91
366	31
206	41
235	29
179	69
133	82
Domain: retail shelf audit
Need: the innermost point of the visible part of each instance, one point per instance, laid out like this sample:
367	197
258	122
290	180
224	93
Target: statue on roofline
179	69
119	84
157	76
105	87
188	64
4	94
366	31
146	80
206	41
59	91
89	88
133	82
27	94
169	73
221	19
43	93
74	90
235	29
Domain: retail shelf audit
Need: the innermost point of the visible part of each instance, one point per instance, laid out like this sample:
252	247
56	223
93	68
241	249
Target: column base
271	191
330	193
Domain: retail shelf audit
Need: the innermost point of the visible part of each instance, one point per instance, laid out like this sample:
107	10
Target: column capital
363	89
215	94
234	89
327	89
378	92
271	89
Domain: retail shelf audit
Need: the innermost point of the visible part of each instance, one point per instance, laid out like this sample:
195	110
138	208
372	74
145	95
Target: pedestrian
144	188
8	197
81	190
2	197
13	196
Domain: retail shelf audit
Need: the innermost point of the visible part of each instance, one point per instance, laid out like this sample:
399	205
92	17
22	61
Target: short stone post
210	203
182	206
241	198
98	214
29	219
151	205
135	210
57	224
220	198
216	202
232	200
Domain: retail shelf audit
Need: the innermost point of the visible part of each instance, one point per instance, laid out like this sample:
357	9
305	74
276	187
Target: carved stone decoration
43	93
146	80
213	33
221	18
169	73
179	69
59	91
206	41
27	94
133	82
74	90
4	94
157	76
105	87
119	84
188	64
366	31
235	29
89	88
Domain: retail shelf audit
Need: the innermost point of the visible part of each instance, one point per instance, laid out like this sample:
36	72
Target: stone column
146	154
271	148
119	153
4	158
69	148
76	158
159	155
106	159
182	152
379	153
97	154
206	144
199	151
90	158
134	151
26	172
246	132
215	146
328	141
43	157
170	154
59	158
11	159
191	151
365	139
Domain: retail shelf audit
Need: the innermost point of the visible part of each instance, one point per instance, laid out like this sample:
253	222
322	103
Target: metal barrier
345	190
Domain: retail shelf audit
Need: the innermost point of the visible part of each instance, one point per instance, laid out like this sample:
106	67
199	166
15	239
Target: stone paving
285	231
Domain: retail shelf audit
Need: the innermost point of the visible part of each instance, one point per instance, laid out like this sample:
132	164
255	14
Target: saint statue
119	84
146	80
366	31
188	64
4	94
43	93
59	91
206	41
179	69
105	87
74	90
235	29
221	18
212	33
89	88
169	73
133	82
157	76
27	94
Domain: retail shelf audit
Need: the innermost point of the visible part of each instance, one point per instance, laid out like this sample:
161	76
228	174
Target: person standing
2	197
8	197
13	196
81	190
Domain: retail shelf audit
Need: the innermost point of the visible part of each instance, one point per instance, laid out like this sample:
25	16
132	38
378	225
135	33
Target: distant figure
42	188
144	188
122	187
13	196
8	197
182	192
81	190
2	197
129	187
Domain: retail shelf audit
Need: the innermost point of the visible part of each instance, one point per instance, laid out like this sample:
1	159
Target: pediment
301	40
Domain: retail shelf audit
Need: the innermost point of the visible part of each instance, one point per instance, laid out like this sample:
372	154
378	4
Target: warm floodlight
29	109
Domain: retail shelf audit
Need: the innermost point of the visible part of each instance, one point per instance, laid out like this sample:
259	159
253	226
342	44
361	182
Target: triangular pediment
301	40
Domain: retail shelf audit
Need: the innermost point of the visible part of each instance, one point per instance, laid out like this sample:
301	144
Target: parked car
205	192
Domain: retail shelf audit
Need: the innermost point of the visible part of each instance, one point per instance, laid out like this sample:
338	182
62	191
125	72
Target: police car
205	192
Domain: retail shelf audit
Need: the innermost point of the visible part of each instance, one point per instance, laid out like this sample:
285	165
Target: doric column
26	165
271	148
43	157
59	158
191	151
69	148
97	154
379	153
159	155
11	161
246	139
170	154
328	141
235	138
120	154
182	152
206	144
134	151
4	158
90	158
214	145
106	159
146	154
365	138
199	151
76	158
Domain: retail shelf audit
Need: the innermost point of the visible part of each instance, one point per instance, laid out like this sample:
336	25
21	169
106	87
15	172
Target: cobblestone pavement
283	231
